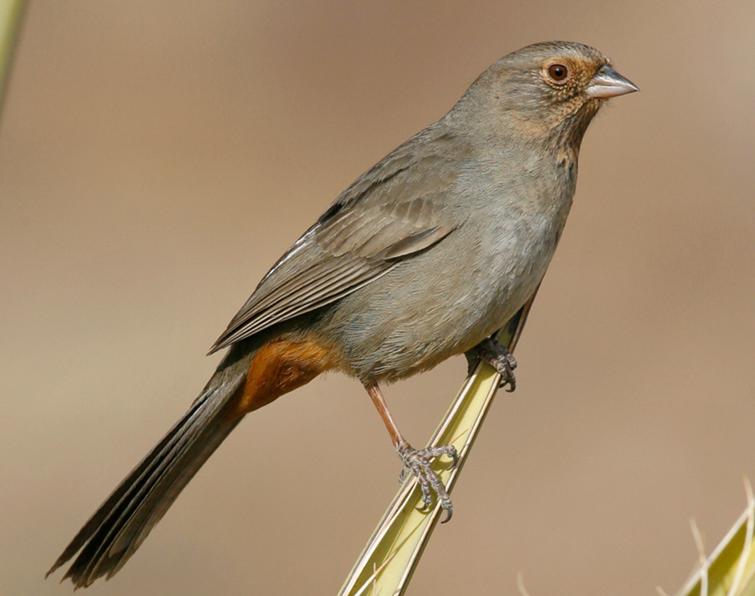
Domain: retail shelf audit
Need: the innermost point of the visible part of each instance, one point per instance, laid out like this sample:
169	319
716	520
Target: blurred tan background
157	157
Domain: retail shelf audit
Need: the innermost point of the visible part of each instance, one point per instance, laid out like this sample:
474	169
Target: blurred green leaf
11	13
730	568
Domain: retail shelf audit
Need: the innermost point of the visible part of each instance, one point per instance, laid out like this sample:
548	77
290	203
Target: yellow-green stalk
11	13
387	562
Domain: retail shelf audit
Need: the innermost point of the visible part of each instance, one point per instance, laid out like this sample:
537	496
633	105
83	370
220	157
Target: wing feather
336	293
305	297
390	213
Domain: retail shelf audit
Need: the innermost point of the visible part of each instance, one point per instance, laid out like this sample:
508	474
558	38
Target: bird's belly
439	304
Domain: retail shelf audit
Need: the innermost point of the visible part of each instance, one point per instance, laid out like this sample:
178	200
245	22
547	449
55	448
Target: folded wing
391	213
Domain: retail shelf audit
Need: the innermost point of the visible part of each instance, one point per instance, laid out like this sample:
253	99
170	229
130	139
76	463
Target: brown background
157	157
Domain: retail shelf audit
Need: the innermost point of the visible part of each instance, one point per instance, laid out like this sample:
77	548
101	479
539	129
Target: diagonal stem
392	553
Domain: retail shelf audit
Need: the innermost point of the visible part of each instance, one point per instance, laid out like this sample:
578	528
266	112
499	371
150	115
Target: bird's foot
496	355
417	463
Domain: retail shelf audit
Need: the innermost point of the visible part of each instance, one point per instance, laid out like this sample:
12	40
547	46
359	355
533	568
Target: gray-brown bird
424	256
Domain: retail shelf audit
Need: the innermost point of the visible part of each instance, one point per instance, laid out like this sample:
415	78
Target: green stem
11	14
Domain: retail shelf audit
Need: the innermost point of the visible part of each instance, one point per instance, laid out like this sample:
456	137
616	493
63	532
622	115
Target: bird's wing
392	212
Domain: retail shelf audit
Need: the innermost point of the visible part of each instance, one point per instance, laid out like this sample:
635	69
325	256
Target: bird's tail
123	521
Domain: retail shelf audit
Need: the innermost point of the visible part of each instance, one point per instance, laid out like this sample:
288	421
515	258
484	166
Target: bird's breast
519	235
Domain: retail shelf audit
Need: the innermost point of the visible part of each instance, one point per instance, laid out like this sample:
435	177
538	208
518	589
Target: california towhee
424	256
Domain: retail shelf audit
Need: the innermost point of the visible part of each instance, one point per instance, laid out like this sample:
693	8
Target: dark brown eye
558	73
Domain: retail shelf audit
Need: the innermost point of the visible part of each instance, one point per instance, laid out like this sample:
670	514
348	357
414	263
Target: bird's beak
609	83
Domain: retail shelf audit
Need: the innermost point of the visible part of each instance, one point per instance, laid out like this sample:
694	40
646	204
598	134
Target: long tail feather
125	519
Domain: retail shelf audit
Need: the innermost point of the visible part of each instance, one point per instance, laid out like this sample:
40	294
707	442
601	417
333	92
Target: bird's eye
558	73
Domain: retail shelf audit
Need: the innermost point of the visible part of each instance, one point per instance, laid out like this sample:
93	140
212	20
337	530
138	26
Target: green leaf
730	568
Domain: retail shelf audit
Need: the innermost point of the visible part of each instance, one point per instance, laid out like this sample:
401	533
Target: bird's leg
416	461
496	355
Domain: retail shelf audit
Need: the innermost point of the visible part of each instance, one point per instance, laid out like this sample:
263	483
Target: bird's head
549	90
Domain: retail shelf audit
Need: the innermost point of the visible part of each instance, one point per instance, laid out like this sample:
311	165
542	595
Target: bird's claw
503	361
417	462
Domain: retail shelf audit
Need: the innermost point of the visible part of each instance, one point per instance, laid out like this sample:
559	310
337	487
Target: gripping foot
497	356
417	463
